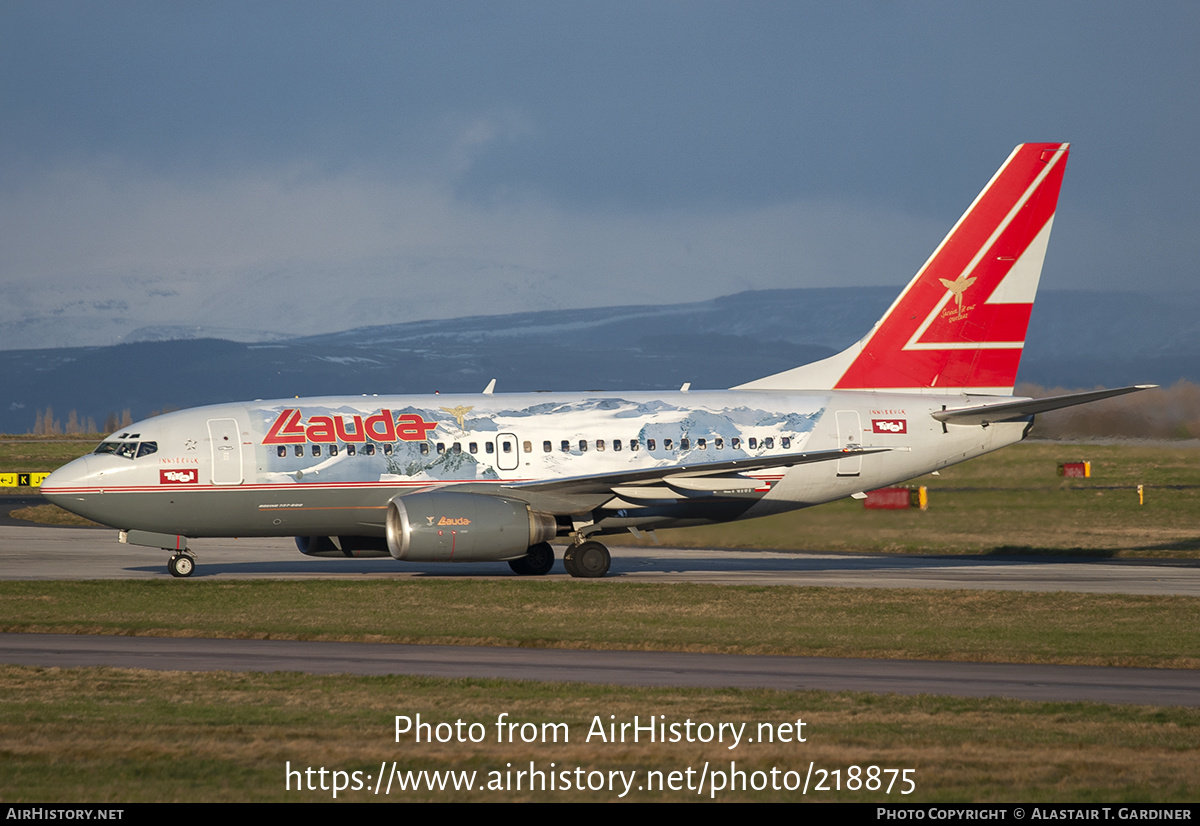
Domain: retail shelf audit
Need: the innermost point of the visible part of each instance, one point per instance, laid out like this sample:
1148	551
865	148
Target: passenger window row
507	446
717	443
351	450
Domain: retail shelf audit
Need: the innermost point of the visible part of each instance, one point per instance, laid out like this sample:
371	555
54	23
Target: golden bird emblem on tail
958	287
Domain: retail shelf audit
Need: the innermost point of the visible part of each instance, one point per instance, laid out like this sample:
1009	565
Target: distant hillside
1076	339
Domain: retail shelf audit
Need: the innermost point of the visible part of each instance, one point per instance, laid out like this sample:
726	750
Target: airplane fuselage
330	466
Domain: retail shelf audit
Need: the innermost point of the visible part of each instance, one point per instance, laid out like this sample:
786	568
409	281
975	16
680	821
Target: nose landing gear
181	564
182	561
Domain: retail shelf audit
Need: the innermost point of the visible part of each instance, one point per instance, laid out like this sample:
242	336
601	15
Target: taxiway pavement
34	552
89	553
1057	683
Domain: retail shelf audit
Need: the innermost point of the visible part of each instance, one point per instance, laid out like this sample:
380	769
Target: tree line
1163	413
47	425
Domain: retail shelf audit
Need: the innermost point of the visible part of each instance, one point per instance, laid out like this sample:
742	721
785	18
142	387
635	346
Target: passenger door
225	439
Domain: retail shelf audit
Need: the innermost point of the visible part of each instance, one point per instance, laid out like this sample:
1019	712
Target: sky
304	167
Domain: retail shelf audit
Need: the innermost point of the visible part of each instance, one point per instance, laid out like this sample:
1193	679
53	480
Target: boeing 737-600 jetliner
498	477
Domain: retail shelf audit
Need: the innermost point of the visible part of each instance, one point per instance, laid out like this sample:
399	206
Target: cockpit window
129	450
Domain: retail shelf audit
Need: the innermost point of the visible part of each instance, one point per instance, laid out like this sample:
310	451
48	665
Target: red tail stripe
885	360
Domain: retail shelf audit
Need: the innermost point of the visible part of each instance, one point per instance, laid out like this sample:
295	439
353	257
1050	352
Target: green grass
41	454
51	515
38	454
122	736
991	626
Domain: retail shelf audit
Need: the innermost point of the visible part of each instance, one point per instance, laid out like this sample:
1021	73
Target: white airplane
497	477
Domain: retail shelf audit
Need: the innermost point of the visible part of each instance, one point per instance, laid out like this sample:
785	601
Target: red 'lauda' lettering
382	419
412	428
320	430
357	435
288	428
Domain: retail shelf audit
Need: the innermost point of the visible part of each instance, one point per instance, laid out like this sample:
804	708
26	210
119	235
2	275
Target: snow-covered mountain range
1076	339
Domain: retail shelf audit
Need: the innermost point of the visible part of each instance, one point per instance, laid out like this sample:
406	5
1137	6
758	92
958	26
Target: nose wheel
181	565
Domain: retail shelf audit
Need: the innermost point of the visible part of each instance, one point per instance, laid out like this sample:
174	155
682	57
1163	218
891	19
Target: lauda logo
188	476
452	522
889	425
289	428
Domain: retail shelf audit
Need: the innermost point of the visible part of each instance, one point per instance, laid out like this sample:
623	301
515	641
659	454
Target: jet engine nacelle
444	526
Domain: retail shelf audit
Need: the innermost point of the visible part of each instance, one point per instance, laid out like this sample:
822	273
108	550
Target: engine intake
444	526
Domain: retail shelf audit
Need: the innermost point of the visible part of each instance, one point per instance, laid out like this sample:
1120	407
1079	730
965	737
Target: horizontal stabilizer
1011	411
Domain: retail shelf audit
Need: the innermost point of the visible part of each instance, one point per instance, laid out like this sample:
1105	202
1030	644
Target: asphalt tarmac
33	552
642	668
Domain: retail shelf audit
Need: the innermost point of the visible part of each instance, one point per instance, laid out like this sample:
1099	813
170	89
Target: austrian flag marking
290	428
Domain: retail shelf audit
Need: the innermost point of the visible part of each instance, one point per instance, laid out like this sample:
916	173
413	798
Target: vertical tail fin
959	326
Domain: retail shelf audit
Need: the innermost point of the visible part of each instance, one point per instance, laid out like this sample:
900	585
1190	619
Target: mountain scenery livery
498	477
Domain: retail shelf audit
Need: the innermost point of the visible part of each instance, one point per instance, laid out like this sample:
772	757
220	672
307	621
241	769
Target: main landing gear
181	564
587	559
537	562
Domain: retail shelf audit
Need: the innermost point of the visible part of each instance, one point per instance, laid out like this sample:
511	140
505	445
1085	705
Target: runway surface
653	668
84	553
31	553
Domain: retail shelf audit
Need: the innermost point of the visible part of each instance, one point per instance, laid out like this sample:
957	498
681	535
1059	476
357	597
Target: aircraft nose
70	475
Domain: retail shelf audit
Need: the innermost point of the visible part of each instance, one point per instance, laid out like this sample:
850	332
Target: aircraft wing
984	414
576	494
605	482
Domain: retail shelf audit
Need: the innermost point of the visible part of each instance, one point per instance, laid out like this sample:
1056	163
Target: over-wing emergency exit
499	477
